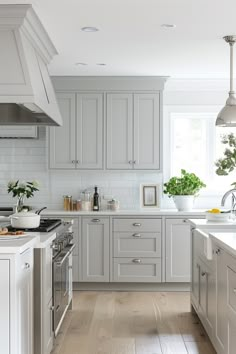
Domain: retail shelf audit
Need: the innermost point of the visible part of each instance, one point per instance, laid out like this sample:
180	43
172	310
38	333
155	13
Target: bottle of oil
96	200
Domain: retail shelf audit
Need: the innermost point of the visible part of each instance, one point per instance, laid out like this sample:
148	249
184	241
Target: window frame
168	138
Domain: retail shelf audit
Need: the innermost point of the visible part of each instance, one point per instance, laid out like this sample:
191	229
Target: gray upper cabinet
62	139
119	131
146	131
133	131
78	144
89	131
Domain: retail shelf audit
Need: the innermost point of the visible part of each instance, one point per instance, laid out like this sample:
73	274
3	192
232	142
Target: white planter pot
184	202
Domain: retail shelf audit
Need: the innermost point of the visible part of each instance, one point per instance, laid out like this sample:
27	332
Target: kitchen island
17	283
213	290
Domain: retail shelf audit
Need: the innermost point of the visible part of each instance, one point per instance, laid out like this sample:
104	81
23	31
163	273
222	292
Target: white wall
27	159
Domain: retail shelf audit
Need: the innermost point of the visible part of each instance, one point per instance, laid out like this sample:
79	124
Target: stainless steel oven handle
59	263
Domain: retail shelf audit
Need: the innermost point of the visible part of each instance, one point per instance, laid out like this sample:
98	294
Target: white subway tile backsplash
27	159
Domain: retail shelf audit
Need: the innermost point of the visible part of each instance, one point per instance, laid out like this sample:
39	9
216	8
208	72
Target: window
195	145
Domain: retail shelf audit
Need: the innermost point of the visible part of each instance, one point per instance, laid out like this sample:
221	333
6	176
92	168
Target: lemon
214	211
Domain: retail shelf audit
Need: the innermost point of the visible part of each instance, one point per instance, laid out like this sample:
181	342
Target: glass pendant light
227	116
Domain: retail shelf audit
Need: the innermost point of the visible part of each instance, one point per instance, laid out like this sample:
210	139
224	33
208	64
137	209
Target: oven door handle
59	263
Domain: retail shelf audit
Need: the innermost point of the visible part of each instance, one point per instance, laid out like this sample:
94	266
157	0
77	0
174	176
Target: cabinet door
195	289
25	303
221	295
5	306
47	273
119	131
207	297
178	239
89	131
95	249
62	139
146	131
47	329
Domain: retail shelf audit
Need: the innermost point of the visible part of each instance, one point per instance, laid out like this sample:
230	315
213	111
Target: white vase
184	202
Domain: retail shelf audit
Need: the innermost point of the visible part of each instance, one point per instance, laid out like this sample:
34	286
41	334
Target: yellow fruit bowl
217	215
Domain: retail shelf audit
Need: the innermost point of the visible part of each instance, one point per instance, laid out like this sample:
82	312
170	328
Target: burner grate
46	225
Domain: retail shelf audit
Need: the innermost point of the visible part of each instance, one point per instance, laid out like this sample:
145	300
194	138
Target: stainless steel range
61	269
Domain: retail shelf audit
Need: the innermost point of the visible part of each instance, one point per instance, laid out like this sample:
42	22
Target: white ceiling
131	40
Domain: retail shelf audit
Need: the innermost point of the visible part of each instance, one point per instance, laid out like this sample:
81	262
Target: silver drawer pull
27	266
136	260
137	224
184	220
95	220
136	235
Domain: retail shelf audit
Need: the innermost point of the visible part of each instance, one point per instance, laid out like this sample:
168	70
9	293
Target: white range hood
26	92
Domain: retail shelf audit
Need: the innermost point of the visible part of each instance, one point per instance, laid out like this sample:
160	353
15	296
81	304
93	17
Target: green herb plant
186	184
227	164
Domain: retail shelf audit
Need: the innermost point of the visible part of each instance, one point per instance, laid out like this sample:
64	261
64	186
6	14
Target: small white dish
217	216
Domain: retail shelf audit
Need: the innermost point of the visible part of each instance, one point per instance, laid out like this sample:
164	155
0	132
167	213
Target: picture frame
149	196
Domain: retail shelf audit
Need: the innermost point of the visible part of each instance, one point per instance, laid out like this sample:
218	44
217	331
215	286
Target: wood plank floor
132	323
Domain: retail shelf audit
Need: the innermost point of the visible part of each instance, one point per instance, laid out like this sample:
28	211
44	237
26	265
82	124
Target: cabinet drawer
137	270
232	288
138	244
137	225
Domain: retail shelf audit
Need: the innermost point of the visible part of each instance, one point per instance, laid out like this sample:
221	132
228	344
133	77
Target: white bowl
217	216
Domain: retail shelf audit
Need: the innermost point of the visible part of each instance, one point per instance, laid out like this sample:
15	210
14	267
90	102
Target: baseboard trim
131	287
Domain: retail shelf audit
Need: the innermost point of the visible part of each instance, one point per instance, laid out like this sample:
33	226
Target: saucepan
26	220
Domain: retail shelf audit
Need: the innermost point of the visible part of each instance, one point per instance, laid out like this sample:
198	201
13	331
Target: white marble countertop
134	212
30	239
226	240
205	224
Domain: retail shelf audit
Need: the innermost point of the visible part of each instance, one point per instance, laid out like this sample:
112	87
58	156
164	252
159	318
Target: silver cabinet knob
184	220
130	162
95	220
136	235
137	224
78	161
134	162
203	274
234	291
73	161
27	266
136	260
218	251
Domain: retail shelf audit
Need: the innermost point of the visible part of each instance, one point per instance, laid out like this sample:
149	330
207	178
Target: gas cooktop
46	225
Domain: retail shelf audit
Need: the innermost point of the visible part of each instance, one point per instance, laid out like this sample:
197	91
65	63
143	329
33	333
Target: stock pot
25	220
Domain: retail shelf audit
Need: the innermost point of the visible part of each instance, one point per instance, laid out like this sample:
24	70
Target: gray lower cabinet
136	250
178	250
146	270
95	249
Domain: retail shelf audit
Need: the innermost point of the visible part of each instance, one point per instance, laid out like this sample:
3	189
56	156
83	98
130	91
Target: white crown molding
187	85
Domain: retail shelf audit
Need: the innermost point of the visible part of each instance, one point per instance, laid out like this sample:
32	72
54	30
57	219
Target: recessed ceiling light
168	25
101	64
89	29
82	64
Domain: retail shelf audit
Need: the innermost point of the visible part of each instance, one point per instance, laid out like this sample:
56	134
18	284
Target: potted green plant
183	189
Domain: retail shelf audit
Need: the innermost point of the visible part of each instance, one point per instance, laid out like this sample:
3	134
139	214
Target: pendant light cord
231	66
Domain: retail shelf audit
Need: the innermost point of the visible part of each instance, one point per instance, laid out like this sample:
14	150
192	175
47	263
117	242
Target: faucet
233	200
